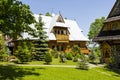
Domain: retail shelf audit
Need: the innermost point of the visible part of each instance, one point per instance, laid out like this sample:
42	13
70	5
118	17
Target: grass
55	61
50	73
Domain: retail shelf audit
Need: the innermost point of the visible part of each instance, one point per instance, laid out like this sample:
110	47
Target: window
114	26
58	32
55	31
65	32
53	47
62	48
61	31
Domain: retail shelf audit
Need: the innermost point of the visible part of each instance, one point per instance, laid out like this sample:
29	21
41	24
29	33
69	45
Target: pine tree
41	45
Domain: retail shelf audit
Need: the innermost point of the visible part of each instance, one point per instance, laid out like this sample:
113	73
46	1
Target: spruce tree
41	45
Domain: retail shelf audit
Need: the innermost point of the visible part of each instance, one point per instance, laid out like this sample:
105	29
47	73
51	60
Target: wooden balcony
62	38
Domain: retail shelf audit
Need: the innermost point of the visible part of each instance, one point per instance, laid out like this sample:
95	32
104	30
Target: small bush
23	53
48	58
78	55
82	62
75	59
62	57
69	56
3	49
83	65
54	53
4	57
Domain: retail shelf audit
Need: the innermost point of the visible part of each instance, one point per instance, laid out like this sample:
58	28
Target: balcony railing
62	38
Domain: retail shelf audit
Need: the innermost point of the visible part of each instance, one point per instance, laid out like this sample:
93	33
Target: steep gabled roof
60	19
115	10
110	34
51	22
114	13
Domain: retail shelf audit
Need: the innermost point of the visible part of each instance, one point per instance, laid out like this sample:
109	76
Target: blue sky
83	11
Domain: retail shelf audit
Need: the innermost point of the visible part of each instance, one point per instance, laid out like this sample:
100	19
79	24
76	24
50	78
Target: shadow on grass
15	72
113	70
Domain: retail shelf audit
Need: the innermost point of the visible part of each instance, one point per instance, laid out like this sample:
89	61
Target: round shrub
69	56
75	59
48	58
62	57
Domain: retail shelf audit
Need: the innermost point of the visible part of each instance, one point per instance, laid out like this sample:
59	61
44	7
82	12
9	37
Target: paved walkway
62	66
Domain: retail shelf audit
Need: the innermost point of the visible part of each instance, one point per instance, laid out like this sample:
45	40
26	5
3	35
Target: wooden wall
111	26
67	46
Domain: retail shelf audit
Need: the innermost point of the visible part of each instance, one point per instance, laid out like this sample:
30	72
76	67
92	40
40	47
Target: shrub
78	55
76	49
55	53
4	57
69	56
3	49
83	65
75	59
48	58
82	62
62	57
23	53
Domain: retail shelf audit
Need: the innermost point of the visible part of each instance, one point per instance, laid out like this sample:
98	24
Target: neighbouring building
109	37
62	33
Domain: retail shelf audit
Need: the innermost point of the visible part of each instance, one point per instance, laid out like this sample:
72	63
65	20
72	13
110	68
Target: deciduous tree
15	17
95	28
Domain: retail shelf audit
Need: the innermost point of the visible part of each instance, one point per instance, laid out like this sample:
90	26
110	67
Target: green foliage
54	52
41	45
62	57
69	56
95	27
48	58
48	14
78	55
83	65
3	49
76	50
82	62
15	17
75	59
95	55
23	53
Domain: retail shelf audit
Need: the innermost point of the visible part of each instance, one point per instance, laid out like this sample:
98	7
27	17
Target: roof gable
49	22
60	18
115	10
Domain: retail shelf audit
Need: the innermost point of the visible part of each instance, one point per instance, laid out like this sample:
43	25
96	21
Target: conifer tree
41	46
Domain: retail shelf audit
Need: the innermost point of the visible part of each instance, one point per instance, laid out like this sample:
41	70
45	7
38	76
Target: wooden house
109	37
62	33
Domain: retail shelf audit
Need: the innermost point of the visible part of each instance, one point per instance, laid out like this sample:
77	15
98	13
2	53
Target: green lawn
50	73
55	61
